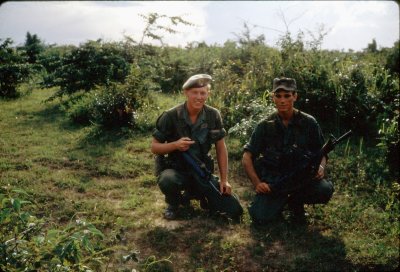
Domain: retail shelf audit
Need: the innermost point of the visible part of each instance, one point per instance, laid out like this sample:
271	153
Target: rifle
200	168
216	201
305	170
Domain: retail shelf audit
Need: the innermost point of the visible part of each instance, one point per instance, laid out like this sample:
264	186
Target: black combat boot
297	214
170	212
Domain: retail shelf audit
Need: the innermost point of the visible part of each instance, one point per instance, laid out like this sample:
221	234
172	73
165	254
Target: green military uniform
270	138
174	174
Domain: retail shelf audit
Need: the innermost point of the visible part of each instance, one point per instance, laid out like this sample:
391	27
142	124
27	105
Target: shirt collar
293	121
200	119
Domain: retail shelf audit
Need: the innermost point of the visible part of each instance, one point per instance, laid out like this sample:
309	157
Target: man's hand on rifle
184	143
263	188
225	188
320	173
321	170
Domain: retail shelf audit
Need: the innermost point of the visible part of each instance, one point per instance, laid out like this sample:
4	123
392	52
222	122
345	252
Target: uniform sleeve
163	128
316	136
218	132
256	144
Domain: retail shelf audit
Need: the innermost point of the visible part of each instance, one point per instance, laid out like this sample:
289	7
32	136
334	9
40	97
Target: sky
348	24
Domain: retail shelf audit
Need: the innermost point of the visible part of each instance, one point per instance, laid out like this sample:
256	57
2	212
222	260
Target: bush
255	112
51	60
390	141
79	108
90	65
113	107
13	70
26	246
393	59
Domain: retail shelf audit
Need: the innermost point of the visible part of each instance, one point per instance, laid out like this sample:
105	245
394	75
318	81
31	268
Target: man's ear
295	96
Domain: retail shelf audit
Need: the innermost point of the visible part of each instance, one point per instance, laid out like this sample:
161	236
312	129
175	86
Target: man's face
284	100
196	97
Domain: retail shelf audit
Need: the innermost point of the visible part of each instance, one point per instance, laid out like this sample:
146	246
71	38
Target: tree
372	47
33	47
393	59
13	69
93	63
153	26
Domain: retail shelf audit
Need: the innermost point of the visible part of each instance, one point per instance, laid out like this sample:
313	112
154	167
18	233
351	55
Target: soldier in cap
287	127
193	127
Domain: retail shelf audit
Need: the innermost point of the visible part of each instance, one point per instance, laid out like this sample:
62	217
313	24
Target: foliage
33	46
27	246
114	107
390	141
154	28
253	113
51	61
93	63
79	108
393	59
242	80
343	90
13	69
372	47
111	106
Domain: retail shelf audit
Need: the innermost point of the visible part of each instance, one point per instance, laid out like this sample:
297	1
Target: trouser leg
266	207
171	183
319	192
227	204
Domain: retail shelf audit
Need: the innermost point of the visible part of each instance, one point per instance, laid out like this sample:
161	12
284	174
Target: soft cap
197	81
285	83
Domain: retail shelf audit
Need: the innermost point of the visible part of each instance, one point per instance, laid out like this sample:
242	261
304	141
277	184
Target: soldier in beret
287	127
193	127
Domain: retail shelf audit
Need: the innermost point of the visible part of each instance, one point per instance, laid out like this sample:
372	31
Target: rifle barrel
343	137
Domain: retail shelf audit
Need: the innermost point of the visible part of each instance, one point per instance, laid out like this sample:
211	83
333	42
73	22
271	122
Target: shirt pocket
201	135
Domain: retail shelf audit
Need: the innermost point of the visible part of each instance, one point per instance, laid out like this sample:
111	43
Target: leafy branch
154	26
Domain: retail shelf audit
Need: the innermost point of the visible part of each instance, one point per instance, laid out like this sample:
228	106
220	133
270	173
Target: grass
106	177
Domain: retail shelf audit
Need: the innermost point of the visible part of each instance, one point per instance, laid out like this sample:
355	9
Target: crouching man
182	139
273	138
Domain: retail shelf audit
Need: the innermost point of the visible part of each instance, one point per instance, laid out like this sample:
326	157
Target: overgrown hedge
343	90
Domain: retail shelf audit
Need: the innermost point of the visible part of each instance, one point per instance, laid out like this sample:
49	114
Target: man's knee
266	208
325	191
235	210
168	180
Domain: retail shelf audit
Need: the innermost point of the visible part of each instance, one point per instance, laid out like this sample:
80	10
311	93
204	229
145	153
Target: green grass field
106	177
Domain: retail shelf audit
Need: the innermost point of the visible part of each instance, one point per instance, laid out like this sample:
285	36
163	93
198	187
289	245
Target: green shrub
25	244
33	46
51	60
390	141
92	64
256	111
393	59
13	70
113	106
79	108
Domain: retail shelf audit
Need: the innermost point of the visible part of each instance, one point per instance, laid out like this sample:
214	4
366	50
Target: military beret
285	83
197	81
